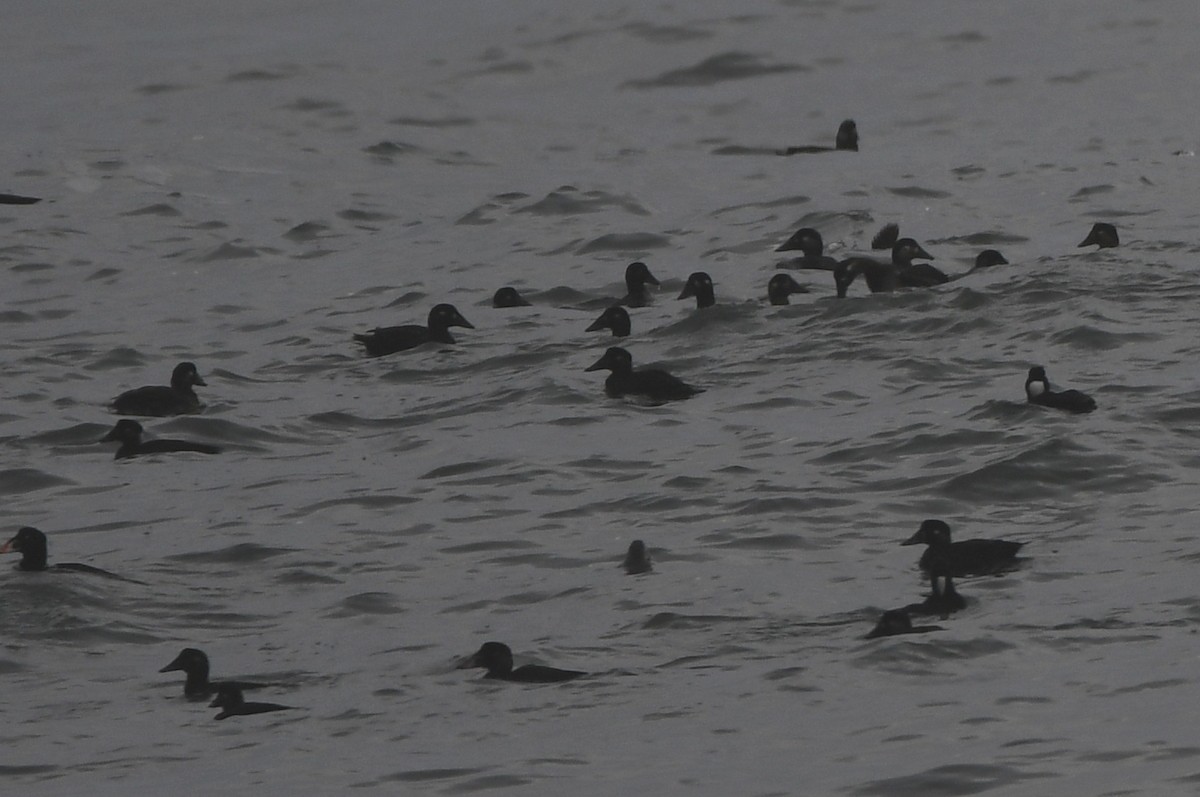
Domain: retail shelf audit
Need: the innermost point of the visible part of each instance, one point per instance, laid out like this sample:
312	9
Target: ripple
1049	469
952	779
630	243
716	69
17	481
241	553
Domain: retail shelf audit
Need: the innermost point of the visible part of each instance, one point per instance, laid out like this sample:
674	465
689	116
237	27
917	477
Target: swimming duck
234	704
894	622
636	559
781	287
915	275
31	544
636	276
497	659
1103	235
389	340
965	558
129	434
699	285
887	277
161	400
1037	391
194	664
615	318
652	383
909	274
508	297
809	242
847	140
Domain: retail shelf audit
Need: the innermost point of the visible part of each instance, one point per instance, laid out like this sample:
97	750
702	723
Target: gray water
247	184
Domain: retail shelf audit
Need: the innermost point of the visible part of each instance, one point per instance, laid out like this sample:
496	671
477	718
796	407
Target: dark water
247	186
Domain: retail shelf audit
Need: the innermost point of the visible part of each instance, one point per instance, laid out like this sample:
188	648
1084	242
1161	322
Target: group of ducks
658	386
159	401
152	400
943	560
228	695
494	657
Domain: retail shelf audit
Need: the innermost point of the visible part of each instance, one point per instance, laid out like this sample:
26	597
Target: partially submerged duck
847	141
615	318
637	275
1103	235
162	400
700	286
129	434
497	659
389	340
1038	391
809	242
781	287
651	383
508	297
637	561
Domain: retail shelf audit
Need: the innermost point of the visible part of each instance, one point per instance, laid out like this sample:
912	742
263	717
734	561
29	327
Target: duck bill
921	253
1090	240
109	437
915	539
597	325
174	666
599	365
8	546
459	321
469	663
687	292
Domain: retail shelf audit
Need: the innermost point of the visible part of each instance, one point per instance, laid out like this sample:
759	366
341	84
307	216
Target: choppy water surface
247	186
